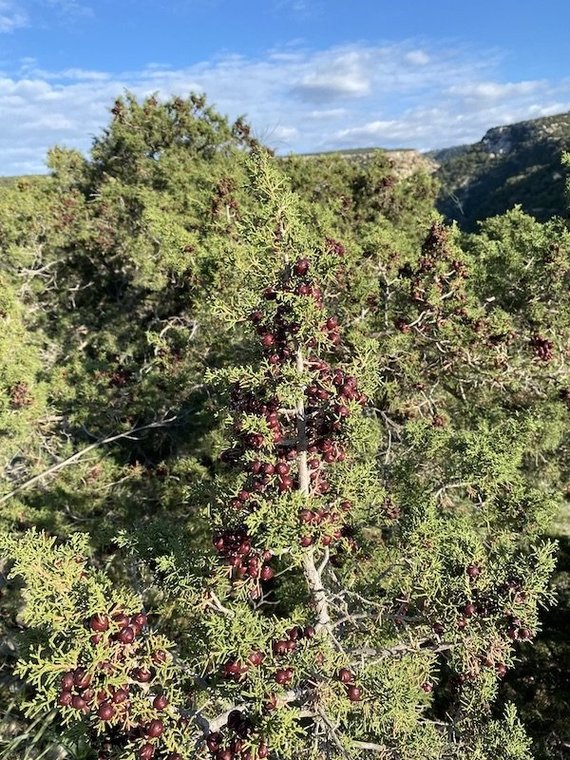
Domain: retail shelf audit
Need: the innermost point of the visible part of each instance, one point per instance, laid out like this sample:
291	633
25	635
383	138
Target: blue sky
309	74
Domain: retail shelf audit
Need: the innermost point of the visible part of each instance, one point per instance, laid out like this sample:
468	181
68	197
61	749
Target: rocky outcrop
404	162
513	164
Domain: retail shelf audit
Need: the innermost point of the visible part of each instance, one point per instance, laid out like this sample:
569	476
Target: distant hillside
404	161
9	181
519	163
513	164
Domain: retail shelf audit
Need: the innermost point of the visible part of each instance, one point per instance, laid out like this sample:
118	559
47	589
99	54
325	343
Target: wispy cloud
343	76
327	113
416	127
17	14
393	95
497	90
70	9
417	57
303	8
11	17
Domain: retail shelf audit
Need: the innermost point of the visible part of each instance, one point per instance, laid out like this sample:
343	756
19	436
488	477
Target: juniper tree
24	409
466	404
341	607
457	352
116	278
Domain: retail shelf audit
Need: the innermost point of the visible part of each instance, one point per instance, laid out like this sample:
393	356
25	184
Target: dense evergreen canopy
213	358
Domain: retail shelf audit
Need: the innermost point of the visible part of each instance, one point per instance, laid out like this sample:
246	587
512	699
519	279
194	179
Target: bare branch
214	724
382	749
332	731
312	575
399	649
79	454
216	604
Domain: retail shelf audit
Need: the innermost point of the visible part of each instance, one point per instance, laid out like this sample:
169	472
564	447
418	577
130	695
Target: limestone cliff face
498	141
405	162
513	164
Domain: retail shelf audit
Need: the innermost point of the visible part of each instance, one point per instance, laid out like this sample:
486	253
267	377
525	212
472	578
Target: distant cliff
519	163
405	161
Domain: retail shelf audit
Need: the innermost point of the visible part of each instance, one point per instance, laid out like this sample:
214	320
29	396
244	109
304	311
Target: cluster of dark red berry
235	670
328	407
320	517
286	646
295	638
268	447
335	247
436	284
542	347
245	561
391	509
280	331
471	608
516	630
269	454
239	740
480	606
353	692
459	679
76	690
223	199
491	603
88	692
514	590
486	661
19	395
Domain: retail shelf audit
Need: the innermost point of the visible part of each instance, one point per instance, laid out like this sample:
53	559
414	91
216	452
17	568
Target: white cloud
286	134
373	129
537	110
327	113
70	74
426	128
11	17
496	90
344	75
56	123
417	58
325	86
298	7
295	98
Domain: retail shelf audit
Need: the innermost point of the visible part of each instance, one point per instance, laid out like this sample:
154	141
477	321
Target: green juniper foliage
344	605
289	444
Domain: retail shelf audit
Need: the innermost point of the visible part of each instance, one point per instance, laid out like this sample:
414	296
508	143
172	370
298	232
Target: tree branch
332	731
372	747
209	725
312	575
79	454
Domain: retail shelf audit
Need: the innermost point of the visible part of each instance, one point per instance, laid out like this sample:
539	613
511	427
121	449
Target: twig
312	575
218	606
332	731
214	724
399	649
382	748
79	454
